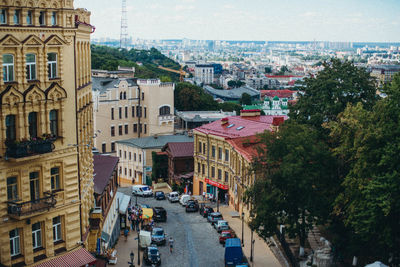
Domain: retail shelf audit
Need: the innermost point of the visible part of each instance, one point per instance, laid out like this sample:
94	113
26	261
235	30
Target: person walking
171	244
126	232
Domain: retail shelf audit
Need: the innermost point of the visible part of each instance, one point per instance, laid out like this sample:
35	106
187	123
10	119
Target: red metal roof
180	150
283	76
278	93
246	146
77	258
233	128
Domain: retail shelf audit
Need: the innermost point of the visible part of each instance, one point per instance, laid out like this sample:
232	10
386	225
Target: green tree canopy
245	99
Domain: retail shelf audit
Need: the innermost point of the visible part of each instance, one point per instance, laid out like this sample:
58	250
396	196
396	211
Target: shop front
216	191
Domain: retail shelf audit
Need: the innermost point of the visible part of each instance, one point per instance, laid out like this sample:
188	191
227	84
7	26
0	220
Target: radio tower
123	41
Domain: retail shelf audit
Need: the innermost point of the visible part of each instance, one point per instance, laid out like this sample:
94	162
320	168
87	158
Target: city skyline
357	21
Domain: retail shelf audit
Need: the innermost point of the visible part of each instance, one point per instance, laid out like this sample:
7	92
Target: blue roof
155	142
233	242
235	93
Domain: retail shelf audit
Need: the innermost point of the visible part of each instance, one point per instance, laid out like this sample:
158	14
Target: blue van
233	252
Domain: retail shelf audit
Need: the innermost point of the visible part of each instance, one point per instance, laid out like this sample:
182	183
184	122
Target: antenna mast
123	41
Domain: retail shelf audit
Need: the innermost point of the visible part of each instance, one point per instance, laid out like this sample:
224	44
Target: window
55	178
126	112
103	148
29	17
112	147
140	127
32	120
42	18
226	177
16	17
198	168
8	67
53	18
138	111
213	151
120	129
125	171
204	148
120	96
112	113
36	235
120	153
142	96
130	155
30	67
199	147
3	16
212	172
140	157
57	229
135	128
145	112
133	111
226	155
219	174
126	129
124	95
52	65
112	131
120	112
220	153
34	186
12	188
145	128
15	247
54	122
164	110
124	154
203	169
134	156
10	127
130	172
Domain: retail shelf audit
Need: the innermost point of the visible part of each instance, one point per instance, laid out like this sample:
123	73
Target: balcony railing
22	209
29	148
166	118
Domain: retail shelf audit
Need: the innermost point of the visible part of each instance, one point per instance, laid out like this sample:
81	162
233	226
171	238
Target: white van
142	190
184	199
173	197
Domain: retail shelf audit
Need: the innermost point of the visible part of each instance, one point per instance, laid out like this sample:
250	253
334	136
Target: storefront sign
211	182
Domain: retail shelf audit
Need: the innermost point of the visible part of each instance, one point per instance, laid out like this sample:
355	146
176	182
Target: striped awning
77	258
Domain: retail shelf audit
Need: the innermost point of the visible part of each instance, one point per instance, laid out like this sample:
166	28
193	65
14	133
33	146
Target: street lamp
242	229
138	248
252	246
132	256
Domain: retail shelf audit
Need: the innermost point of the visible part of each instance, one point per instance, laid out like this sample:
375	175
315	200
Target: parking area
196	241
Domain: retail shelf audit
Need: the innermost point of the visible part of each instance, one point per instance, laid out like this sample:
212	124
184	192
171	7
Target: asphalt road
196	241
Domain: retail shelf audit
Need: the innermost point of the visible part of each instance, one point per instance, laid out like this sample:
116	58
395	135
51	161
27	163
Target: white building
204	73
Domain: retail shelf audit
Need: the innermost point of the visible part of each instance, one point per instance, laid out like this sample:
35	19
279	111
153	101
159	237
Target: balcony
29	148
21	210
165	118
95	218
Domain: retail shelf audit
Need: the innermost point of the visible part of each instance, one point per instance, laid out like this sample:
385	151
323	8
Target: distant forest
109	58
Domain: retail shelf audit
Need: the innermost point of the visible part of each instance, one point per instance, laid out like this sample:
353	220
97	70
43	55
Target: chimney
224	121
250	113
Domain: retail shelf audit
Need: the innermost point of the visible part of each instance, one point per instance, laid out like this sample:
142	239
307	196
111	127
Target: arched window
165	110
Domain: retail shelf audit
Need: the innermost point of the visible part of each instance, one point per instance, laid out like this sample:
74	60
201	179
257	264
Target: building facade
204	73
180	163
131	108
45	97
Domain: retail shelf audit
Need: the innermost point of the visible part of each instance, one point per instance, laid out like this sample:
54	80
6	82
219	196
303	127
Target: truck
233	252
145	239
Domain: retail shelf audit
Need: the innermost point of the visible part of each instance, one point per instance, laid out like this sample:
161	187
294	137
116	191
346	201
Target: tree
229	106
245	99
189	97
295	185
327	95
235	84
268	70
160	166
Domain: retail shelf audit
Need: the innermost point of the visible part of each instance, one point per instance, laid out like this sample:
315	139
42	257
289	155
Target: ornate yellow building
46	132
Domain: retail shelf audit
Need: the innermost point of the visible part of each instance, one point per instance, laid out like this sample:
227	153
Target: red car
225	235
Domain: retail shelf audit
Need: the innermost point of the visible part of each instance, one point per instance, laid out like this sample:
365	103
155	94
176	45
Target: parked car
184	199
233	252
226	234
159	214
159	195
205	211
158	236
142	190
221	225
192	206
144	206
214	217
173	197
151	256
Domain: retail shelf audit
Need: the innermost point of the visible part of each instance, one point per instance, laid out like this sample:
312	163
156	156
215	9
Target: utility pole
123	41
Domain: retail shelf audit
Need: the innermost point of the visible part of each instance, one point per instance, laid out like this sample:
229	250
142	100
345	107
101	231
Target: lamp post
138	248
242	229
217	200
132	256
251	246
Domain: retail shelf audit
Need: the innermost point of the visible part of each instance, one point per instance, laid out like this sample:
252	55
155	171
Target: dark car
226	235
159	214
158	236
192	206
159	195
205	211
151	256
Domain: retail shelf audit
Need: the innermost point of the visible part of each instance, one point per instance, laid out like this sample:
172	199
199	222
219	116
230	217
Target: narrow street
196	241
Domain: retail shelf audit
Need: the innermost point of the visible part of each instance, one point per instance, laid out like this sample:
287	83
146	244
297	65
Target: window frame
57	229
33	124
17	17
42	18
126	128
52	66
14	189
37	236
54	127
34	185
3	16
11	130
53	18
8	68
15	242
29	67
29	17
112	113
55	178
112	129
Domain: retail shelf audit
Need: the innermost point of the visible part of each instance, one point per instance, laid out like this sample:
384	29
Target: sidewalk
262	255
124	249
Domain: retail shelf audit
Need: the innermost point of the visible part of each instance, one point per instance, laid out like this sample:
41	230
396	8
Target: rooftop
155	141
238	126
180	150
102	84
198	116
104	167
278	93
246	146
235	93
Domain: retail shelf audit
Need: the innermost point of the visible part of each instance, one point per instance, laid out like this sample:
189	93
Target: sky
267	20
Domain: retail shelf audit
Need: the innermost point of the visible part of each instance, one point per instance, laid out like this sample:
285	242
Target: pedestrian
171	244
204	196
132	223
126	232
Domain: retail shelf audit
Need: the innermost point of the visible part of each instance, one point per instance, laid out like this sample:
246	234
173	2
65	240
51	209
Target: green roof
252	107
155	142
276	98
